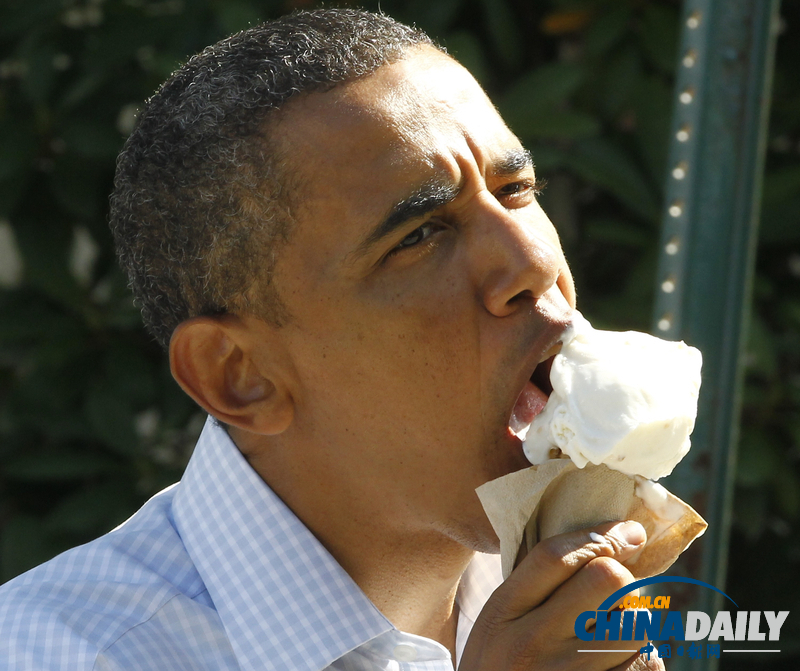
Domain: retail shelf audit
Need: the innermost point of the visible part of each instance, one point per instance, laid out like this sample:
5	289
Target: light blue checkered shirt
213	573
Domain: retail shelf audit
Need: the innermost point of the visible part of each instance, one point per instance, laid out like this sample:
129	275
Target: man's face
425	285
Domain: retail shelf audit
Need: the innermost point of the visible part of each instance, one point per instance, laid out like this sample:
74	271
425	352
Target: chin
487	544
476	535
488	547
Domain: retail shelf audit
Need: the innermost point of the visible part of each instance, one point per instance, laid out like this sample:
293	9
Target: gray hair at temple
201	204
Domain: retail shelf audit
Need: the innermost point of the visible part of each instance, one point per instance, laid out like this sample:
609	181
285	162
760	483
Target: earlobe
210	359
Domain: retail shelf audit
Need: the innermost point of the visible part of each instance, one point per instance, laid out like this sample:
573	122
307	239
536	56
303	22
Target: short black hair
200	203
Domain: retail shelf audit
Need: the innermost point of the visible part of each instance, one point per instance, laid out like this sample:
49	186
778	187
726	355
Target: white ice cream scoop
627	400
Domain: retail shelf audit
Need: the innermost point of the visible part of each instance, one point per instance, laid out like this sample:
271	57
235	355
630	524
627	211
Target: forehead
354	151
410	109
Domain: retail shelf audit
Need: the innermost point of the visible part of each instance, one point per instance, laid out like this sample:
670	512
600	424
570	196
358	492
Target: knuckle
524	651
617	543
512	647
552	551
491	621
497	612
607	574
559	552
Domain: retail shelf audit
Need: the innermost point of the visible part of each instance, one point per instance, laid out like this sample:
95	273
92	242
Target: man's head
425	286
200	190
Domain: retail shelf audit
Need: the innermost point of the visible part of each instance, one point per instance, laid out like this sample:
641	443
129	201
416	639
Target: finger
554	560
614	628
589	587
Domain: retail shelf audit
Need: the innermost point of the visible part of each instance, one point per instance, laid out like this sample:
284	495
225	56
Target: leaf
555	124
781	183
23	545
431	17
44	245
502	28
566	21
651	99
779	222
11	192
758	460
19	146
175	405
24	317
236	15
606	31
92	511
111	419
19	16
659	36
38	56
543	88
58	466
76	183
790	313
761	355
787	491
622	74
83	88
537	105
124	31
129	373
616	231
546	157
90	139
781	186
604	164
750	511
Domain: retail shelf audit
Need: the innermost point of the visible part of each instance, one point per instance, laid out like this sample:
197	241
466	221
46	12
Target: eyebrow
435	194
429	197
514	161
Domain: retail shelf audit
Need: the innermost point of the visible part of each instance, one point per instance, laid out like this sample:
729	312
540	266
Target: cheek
412	367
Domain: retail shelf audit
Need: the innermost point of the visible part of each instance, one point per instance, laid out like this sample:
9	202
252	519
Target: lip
535	366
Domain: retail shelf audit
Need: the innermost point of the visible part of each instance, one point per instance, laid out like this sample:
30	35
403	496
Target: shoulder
119	602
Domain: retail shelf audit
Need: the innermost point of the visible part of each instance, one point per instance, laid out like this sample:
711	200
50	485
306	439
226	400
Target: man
337	238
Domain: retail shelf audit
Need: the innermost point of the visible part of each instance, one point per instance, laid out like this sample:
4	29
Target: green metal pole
707	252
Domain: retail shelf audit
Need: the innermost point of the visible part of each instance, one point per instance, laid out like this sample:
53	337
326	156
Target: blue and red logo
648	618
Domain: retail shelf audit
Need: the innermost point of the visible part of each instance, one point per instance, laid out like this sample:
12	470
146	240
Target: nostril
525	295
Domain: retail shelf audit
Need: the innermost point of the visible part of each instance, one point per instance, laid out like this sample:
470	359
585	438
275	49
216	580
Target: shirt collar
482	577
283	599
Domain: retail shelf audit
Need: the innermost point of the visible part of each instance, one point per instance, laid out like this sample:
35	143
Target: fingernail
630	533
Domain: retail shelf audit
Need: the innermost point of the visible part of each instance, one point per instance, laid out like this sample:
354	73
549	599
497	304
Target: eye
417	236
521	188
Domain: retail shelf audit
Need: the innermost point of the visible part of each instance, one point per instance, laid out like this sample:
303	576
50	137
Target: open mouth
532	399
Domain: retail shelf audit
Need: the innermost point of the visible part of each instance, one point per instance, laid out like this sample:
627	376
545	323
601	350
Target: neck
411	572
415	589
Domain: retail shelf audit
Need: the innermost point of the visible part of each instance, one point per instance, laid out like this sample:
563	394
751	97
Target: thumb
553	561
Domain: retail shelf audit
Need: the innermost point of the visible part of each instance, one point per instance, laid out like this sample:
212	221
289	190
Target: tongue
529	404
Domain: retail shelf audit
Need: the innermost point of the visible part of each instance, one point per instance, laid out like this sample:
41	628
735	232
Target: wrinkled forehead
423	108
426	94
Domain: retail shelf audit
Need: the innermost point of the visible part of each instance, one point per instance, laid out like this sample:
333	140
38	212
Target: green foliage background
91	423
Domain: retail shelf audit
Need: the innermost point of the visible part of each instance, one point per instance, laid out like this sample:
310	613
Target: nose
520	259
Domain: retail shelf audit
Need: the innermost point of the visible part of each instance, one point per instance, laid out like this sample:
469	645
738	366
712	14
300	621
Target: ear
212	360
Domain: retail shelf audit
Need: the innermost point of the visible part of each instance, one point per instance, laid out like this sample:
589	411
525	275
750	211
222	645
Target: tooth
518	428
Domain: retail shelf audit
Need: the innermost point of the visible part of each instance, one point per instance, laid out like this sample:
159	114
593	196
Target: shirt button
404	652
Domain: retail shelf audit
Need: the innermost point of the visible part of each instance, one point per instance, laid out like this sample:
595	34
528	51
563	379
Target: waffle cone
557	497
